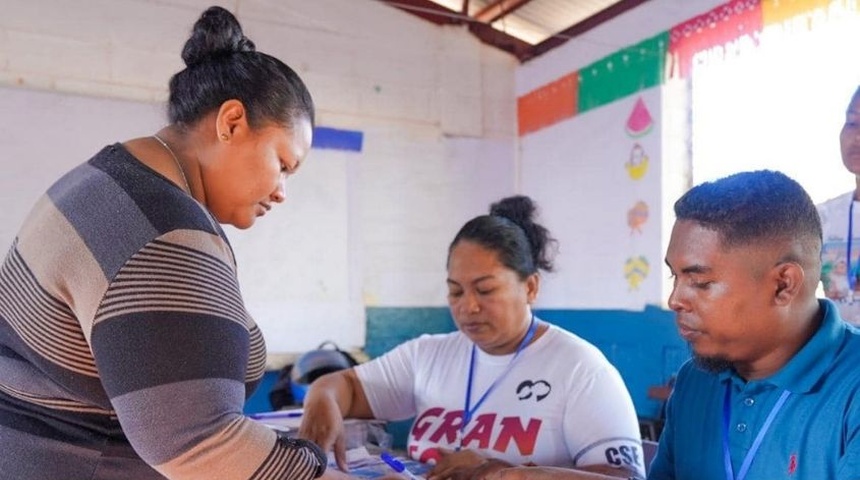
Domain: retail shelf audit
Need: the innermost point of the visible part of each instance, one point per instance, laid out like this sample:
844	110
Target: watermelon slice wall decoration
639	122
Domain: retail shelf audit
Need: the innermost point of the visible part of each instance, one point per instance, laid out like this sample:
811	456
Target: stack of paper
363	464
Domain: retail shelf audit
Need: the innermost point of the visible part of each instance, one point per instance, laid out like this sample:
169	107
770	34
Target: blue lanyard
469	412
748	459
852	279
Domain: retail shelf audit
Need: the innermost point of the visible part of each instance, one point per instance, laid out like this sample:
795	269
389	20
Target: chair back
649	450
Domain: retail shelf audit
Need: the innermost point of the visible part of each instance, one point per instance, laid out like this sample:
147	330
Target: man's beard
712	364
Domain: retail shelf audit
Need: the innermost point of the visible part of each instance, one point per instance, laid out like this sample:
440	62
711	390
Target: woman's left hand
464	465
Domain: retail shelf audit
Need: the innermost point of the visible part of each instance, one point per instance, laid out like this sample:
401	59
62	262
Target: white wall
581	172
437	109
574	168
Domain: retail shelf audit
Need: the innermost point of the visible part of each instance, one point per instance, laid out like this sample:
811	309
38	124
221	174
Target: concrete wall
436	108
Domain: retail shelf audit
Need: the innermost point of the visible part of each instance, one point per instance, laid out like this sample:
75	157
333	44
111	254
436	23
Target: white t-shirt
834	252
560	404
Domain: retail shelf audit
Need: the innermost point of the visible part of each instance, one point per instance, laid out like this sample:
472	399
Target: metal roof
525	28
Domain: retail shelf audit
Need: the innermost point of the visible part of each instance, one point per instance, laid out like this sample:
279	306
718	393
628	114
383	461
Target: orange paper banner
548	104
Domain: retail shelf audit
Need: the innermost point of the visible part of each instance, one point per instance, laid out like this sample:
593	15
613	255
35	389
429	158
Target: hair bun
519	209
216	34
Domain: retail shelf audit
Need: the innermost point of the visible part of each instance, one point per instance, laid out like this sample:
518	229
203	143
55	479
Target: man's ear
232	120
788	279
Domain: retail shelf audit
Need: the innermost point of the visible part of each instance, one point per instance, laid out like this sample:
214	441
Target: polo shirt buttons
742	427
749	401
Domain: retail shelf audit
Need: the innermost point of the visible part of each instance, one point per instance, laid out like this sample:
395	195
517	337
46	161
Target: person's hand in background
464	465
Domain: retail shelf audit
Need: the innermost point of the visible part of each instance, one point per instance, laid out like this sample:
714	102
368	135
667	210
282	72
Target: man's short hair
750	207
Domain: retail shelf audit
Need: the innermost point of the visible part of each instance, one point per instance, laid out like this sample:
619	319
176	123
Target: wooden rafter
479	24
498	9
578	29
428	10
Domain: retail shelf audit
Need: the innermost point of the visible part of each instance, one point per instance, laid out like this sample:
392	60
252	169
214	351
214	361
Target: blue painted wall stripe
335	139
644	346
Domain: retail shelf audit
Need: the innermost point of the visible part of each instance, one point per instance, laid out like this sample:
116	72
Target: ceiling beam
428	10
522	50
465	9
501	40
578	29
498	9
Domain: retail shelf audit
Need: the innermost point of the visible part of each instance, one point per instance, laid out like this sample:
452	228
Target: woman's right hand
322	423
329	400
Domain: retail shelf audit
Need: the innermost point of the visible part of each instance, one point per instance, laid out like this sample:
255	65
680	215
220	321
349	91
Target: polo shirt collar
812	361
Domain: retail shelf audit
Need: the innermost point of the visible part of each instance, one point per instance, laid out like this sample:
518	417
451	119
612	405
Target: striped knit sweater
125	347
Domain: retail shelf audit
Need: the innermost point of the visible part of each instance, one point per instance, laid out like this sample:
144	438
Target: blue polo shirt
814	436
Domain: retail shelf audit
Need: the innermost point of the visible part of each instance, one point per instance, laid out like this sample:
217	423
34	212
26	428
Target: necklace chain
175	160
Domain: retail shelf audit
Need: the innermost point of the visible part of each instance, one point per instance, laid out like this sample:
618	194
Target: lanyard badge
468	410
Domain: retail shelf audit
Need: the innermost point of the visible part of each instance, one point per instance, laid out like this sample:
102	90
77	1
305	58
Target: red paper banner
719	26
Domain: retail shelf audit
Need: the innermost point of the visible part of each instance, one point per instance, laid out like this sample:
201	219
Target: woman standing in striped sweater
125	347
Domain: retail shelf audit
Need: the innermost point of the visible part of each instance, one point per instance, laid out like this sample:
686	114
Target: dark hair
510	230
748	207
223	64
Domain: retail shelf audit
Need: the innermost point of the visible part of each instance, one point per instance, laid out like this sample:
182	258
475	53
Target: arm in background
553	473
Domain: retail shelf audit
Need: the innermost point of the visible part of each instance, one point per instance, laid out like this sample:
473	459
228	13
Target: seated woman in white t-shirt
506	388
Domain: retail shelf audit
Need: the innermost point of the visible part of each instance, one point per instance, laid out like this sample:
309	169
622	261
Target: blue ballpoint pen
276	414
398	466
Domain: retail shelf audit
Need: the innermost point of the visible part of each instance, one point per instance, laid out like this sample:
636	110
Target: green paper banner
626	71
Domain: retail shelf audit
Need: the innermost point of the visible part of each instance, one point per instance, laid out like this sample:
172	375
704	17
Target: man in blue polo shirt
773	389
